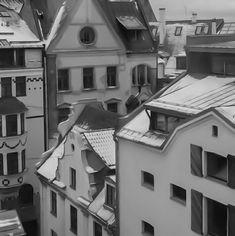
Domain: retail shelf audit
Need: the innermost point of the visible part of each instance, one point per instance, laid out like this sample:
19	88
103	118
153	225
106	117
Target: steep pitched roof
114	10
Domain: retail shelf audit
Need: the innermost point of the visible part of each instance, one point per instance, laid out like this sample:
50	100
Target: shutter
231	220
231	171
196	211
196	160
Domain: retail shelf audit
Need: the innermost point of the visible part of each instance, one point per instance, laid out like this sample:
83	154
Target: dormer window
178	30
163	122
110	196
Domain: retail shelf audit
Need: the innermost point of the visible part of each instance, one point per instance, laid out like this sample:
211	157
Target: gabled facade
182	158
22	110
100	50
77	176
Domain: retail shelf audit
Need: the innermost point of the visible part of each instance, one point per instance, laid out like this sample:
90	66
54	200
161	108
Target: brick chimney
194	17
162	25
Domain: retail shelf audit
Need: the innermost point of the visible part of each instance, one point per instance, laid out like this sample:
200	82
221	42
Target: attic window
178	30
87	35
199	30
131	22
4	14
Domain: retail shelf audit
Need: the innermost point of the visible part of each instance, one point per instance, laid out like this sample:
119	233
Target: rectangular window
23	159
147	229
110	195
63	79
198	30
11	125
147	179
178	194
53	203
113	107
214	131
73	219
88	78
12	163
178	30
1	164
111	76
217	218
19	57
20	86
181	63
0	126
22	123
73	178
97	229
53	233
196	160
7	58
6	87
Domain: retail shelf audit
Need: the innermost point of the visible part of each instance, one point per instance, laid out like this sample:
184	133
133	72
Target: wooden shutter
231	220
196	160
196	211
231	171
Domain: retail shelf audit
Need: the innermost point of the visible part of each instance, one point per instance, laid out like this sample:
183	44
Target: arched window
141	75
26	194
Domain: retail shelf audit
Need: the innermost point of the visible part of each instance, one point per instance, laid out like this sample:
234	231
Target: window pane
111	76
20	61
23	159
141	74
147	179
113	107
53	203
22	123
88	78
110	195
7	58
63	79
97	229
0	126
12	163
72	178
21	86
6	87
11	122
73	219
1	164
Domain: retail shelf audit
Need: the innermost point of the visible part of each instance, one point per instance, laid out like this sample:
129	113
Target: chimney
213	26
162	25
194	17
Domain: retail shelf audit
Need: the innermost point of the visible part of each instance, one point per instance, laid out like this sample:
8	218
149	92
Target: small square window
178	30
147	180
178	194
214	131
147	229
113	107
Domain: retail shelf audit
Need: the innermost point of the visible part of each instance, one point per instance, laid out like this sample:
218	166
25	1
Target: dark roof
148	10
11	105
94	117
115	9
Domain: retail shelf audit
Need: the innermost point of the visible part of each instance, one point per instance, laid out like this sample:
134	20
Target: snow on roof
56	25
103	144
97	208
49	167
211	91
15	5
14	29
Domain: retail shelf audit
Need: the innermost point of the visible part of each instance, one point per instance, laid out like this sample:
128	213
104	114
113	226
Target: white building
77	176
22	110
175	158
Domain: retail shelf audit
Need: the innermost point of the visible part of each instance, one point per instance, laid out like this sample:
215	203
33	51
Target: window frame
110	198
215	131
12	163
144	180
111	76
85	36
112	109
136	75
63	80
178	30
73	222
176	195
6	87
73	177
53	233
53	201
23	159
88	78
20	86
199	27
11	126
146	229
1	165
95	225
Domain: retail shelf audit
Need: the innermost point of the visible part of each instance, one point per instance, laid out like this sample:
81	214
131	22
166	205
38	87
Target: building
77	176
172	40
100	50
177	154
22	110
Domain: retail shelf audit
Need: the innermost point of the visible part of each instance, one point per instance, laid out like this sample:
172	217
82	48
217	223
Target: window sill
64	91
112	87
180	201
219	181
88	89
148	186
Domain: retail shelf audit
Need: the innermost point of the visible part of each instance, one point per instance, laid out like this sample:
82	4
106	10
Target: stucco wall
168	217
